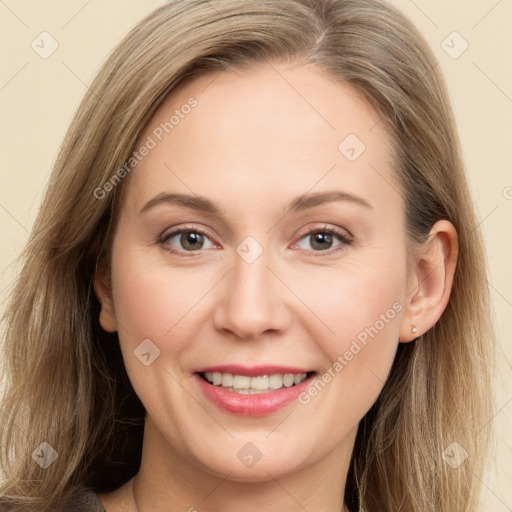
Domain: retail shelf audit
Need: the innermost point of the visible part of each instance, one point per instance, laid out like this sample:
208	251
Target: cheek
158	303
361	304
152	300
337	305
360	313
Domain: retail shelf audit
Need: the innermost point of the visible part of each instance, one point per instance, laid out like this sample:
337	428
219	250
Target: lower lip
259	404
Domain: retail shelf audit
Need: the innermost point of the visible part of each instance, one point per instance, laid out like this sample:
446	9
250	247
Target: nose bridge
251	280
251	301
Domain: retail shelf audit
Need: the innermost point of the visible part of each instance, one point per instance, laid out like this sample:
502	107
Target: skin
255	141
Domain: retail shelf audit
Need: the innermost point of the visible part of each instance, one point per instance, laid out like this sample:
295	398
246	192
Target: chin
250	459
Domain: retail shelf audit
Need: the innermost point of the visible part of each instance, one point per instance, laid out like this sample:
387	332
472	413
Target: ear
103	290
430	281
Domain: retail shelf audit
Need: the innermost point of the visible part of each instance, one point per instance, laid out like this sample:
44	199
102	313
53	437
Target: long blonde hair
65	383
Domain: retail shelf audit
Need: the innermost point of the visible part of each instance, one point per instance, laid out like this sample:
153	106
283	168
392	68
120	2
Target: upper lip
252	371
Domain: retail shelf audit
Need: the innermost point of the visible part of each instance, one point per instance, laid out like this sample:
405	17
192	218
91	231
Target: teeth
254	385
227	380
275	381
241	381
288	380
260	382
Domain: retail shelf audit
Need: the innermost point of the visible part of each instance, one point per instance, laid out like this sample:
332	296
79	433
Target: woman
255	279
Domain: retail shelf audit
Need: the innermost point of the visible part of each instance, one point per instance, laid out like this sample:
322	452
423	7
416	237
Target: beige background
38	97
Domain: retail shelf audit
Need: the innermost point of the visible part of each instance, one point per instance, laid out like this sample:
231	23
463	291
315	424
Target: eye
324	240
188	240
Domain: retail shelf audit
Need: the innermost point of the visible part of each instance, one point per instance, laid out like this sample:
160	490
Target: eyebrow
299	204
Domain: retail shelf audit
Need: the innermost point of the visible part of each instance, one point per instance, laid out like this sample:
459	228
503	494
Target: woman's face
292	260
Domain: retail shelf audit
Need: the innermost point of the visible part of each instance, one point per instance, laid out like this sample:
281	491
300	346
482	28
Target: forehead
285	127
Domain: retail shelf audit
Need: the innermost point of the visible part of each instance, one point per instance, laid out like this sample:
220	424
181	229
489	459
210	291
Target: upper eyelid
209	232
176	231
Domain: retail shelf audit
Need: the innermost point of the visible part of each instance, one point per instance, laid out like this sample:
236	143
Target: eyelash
341	235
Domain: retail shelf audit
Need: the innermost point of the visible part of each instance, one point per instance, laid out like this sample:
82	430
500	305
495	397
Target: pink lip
260	404
252	371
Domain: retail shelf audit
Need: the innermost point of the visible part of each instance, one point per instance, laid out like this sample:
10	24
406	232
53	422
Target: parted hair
63	376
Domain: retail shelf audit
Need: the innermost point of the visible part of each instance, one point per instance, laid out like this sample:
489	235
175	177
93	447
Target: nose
251	302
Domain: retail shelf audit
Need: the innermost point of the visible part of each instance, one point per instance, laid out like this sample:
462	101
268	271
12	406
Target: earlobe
103	291
431	281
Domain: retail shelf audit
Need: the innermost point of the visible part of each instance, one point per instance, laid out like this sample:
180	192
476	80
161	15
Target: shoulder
77	499
81	499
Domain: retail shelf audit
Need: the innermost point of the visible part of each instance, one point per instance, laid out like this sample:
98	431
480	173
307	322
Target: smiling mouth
253	385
